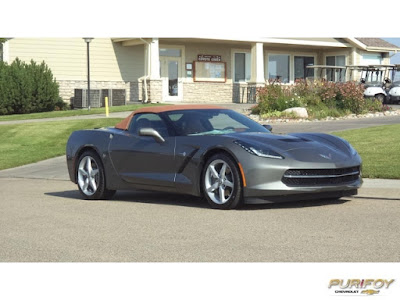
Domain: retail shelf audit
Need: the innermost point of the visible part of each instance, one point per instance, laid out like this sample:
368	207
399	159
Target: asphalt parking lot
43	219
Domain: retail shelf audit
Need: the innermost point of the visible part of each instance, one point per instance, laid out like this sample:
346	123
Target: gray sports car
213	152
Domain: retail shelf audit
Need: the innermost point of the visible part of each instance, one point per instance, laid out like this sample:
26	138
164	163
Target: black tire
380	98
224	181
92	186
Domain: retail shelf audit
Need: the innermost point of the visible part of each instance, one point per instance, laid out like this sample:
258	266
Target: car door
141	159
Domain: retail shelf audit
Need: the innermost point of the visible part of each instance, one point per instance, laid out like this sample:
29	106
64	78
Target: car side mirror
153	133
267	126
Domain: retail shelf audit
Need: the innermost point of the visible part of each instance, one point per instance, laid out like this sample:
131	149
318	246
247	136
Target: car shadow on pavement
192	201
296	204
142	197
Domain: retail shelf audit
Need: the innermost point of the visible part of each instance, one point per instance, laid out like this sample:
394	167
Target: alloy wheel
88	175
219	181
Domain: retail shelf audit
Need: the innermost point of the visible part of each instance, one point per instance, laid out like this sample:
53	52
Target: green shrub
279	114
28	88
374	105
350	95
322	110
321	98
275	97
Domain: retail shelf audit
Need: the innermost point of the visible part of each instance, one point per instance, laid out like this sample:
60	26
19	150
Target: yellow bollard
106	104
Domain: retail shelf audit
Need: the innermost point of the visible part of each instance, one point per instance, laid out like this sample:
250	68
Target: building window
371	59
242	67
170	52
279	67
339	60
300	70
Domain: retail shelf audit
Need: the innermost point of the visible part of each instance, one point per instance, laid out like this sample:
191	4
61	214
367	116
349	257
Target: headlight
261	151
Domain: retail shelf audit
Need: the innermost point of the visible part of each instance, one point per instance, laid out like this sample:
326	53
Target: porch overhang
290	42
131	41
309	43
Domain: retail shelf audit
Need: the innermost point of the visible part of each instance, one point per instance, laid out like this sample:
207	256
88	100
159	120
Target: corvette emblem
326	156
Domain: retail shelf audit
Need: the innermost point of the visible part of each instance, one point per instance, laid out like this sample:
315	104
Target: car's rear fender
82	140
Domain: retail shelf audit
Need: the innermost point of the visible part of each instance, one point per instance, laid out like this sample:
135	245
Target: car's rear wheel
91	177
221	182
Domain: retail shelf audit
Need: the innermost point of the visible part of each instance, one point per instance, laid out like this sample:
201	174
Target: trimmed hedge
27	88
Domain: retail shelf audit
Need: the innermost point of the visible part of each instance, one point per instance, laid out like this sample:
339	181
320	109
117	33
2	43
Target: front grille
320	177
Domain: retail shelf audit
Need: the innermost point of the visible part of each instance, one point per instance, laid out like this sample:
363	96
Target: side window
190	122
148	120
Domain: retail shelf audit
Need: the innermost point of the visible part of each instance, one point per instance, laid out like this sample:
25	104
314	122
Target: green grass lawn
74	112
379	148
22	144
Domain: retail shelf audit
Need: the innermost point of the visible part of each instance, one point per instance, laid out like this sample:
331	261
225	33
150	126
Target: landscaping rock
299	112
257	118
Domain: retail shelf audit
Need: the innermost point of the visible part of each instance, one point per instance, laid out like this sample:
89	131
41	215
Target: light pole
88	40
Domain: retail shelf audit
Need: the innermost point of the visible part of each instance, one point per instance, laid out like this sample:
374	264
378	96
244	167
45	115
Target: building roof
376	42
124	124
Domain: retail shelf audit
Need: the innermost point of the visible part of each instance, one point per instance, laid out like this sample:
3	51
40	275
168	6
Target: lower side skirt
298	197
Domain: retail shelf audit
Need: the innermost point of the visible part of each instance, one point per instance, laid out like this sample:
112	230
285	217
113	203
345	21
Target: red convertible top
124	124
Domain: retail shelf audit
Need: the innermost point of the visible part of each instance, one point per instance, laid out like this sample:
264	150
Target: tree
27	88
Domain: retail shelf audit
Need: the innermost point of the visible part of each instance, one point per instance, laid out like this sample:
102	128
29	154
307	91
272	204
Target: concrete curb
384	189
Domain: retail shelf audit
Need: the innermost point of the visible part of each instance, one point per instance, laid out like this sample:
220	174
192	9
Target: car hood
300	146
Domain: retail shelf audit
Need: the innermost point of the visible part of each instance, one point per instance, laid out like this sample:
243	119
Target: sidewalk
99	116
239	107
383	189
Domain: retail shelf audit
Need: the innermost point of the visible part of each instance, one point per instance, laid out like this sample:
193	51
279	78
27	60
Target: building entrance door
171	78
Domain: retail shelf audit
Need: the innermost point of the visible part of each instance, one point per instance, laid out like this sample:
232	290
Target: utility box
116	97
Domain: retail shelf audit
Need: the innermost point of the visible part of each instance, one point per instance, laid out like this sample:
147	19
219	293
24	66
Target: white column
354	62
6	52
154	59
257	63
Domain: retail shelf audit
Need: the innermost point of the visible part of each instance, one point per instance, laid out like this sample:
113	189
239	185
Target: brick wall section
136	91
133	89
154	90
202	92
208	92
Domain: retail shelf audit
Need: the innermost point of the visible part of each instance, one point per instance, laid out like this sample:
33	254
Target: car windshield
396	77
373	76
211	122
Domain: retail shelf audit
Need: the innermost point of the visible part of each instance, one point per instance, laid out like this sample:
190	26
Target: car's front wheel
380	98
221	182
91	177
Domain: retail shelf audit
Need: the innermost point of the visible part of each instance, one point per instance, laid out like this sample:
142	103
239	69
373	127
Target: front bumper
267	180
311	193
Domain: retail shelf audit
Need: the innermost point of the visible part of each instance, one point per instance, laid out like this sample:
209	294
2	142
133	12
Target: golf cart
329	73
375	79
394	87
